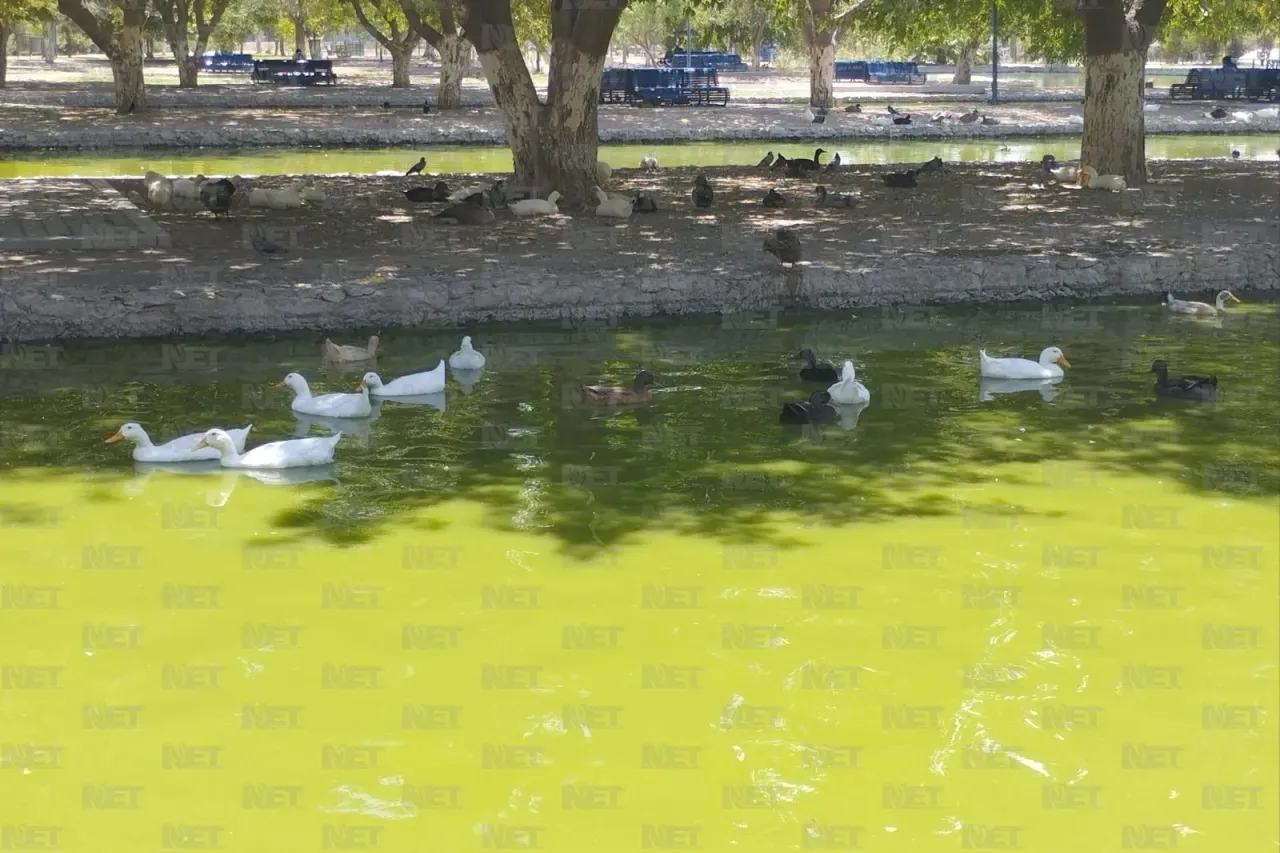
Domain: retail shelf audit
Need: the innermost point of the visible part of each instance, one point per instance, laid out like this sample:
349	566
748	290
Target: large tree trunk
822	71
4	53
452	50
517	103
964	64
1116	42
49	45
299	33
400	57
126	70
1114	125
568	130
188	71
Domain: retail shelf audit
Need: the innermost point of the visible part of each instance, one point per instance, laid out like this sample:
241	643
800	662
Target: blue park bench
703	59
290	72
663	87
1212	84
879	71
224	62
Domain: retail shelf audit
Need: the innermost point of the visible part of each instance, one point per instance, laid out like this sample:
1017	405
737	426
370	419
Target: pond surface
947	622
462	159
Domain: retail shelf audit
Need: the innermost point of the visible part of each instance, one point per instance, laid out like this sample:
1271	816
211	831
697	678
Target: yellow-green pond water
947	623
470	158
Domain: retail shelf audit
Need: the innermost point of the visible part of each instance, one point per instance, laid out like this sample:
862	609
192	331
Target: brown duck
616	395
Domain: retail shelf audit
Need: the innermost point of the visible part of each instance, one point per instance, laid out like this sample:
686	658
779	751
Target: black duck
644	203
830	198
216	196
853	108
803	164
817	410
784	245
902	119
901	180
814	372
702	192
773	198
1204	388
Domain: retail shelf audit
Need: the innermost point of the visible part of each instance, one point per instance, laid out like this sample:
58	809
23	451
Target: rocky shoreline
89	311
32	129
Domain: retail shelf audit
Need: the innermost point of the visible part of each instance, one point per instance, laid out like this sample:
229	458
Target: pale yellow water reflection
961	625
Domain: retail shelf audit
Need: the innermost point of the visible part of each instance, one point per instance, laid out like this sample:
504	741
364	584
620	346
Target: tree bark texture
179	18
964	64
1117	36
820	36
452	50
387	32
400	66
4	53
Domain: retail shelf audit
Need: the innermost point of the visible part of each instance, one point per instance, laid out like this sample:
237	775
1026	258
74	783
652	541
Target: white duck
160	192
466	358
328	405
603	172
310	193
1049	367
182	449
413	385
347	352
1201	309
1090	179
612	208
648	163
536	206
849	391
294	453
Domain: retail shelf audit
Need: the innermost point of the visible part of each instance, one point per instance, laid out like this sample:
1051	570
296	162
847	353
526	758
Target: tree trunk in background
151	48
188	72
4	53
822	72
50	44
1114	123
299	34
453	50
964	64
400	66
755	54
1114	138
820	37
126	66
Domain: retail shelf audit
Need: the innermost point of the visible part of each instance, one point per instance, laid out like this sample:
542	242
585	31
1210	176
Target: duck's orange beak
1062	360
202	443
280	384
361	386
1233	297
113	439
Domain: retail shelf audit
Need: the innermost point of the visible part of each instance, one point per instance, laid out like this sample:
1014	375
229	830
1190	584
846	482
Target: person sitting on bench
298	57
1229	64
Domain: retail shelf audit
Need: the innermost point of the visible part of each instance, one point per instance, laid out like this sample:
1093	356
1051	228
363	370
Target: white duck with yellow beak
294	453
1048	367
184	449
1201	309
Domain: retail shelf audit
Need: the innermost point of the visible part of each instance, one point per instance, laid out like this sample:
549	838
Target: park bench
703	59
289	72
223	62
879	71
663	87
1204	84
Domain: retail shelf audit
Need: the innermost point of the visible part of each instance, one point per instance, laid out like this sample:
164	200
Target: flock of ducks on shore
818	115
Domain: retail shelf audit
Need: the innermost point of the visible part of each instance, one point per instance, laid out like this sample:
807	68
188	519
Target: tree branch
420	26
358	7
98	32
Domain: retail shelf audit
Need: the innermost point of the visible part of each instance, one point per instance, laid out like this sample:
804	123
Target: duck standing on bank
702	194
775	199
1203	388
784	244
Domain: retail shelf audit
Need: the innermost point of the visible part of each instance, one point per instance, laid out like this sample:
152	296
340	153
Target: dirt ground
365	230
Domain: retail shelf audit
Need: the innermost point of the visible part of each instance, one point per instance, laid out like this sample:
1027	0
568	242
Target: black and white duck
1204	388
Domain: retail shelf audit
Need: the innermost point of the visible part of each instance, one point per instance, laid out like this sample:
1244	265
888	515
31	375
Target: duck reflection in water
849	415
467	379
144	472
989	388
358	430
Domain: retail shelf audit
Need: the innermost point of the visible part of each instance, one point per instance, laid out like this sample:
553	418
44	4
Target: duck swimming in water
1204	388
814	372
818	410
